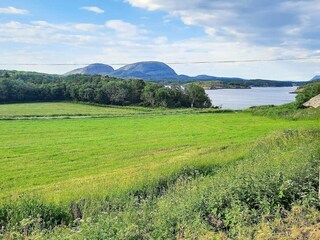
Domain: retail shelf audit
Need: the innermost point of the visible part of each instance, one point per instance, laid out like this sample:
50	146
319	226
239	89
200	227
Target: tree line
31	87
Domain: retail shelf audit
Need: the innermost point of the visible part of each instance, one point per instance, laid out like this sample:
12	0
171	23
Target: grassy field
71	158
272	193
154	173
63	109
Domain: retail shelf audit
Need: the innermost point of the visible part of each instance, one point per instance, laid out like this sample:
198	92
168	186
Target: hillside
146	70
93	69
316	78
161	72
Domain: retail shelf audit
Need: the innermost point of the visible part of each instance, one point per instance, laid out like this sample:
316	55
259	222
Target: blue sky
125	31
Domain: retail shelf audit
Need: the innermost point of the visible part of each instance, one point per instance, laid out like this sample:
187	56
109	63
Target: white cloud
269	23
151	5
161	40
75	34
83	27
212	16
13	10
93	9
125	30
167	19
311	5
42	32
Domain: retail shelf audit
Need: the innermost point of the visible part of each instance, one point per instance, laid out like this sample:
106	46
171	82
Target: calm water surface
244	98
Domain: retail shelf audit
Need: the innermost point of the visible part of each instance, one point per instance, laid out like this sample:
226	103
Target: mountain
146	70
93	69
151	70
143	70
212	78
204	77
316	78
161	72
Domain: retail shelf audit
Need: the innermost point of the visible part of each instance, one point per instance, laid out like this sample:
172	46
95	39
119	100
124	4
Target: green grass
153	173
281	170
73	158
50	110
63	109
270	194
286	111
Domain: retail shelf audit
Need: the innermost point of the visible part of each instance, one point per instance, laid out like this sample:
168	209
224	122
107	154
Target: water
238	99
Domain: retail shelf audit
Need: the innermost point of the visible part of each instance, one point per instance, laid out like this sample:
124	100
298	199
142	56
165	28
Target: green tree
198	96
135	90
149	94
6	75
117	92
101	95
164	97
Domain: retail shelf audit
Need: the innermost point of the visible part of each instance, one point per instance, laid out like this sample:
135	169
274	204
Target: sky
118	32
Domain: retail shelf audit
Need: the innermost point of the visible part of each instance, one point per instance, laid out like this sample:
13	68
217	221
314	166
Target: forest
35	87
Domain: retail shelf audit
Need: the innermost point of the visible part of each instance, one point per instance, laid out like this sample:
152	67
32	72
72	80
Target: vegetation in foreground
268	201
67	159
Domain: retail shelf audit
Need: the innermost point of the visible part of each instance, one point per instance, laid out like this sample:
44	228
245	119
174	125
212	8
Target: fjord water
238	99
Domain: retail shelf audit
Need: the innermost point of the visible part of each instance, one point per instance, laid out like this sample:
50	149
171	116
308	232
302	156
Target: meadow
57	161
72	158
63	109
46	110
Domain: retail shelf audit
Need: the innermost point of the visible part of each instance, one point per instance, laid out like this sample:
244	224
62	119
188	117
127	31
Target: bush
31	213
309	91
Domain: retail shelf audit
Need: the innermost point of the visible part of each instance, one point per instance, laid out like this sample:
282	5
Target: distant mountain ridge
159	71
316	78
150	70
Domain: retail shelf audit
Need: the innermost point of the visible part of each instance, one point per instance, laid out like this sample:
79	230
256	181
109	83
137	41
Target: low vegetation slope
294	110
270	194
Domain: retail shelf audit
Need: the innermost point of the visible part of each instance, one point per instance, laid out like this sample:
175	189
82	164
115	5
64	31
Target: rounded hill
93	69
146	70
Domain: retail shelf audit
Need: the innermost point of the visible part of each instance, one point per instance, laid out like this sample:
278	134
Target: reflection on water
244	98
